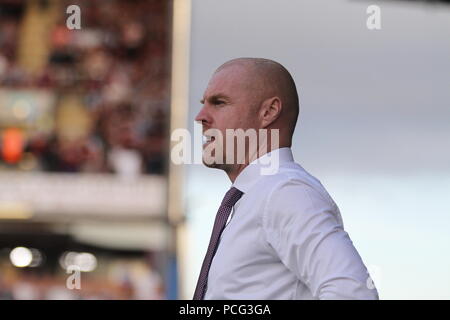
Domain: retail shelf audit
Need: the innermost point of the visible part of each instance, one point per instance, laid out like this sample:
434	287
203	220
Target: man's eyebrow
215	97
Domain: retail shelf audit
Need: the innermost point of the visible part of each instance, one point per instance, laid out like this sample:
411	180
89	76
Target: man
284	238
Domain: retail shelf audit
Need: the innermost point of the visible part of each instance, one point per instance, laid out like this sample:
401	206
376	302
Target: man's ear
270	111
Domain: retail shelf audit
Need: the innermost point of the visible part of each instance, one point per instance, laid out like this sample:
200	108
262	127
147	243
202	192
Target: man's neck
234	170
237	169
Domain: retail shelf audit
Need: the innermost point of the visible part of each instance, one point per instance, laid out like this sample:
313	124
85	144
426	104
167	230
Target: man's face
228	103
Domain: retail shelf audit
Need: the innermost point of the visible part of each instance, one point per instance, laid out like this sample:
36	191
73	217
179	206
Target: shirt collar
251	173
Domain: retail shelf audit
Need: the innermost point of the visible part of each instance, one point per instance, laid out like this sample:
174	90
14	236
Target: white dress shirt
285	240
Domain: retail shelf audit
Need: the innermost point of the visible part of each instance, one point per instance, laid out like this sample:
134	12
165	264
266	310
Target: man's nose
202	116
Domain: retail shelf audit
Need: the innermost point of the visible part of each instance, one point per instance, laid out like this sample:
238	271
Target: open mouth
207	139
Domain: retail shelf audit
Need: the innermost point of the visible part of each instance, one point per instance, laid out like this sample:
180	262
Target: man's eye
218	102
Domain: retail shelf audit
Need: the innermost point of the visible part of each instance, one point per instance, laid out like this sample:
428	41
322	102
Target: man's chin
215	165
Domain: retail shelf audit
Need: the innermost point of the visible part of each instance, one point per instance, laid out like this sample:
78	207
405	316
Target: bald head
264	79
256	99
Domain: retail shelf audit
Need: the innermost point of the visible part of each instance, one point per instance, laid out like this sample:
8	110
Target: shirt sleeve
307	234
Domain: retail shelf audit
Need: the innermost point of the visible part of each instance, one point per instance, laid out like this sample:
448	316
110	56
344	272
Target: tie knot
231	197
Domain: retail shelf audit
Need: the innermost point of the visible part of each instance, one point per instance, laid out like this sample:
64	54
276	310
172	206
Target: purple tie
231	197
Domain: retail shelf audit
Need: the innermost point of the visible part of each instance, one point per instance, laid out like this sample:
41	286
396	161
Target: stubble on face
234	82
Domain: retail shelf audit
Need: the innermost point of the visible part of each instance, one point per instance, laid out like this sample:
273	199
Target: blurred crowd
111	82
123	280
93	100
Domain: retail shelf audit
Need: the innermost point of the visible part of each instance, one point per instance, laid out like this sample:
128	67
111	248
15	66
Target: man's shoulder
295	192
293	173
293	180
